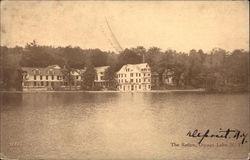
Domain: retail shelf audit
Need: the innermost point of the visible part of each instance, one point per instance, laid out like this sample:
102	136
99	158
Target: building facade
54	78
134	77
50	78
42	78
99	78
167	77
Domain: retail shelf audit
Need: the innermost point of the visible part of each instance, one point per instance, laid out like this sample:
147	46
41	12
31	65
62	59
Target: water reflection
113	125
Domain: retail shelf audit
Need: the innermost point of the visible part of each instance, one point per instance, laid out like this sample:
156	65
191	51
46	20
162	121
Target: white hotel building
134	77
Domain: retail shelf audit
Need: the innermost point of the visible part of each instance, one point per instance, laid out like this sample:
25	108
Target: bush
96	88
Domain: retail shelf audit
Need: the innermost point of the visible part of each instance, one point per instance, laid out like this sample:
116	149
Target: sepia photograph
124	80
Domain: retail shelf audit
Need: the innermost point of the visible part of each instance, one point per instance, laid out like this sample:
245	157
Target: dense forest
218	70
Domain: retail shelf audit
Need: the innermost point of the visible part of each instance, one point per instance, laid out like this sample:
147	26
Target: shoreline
152	91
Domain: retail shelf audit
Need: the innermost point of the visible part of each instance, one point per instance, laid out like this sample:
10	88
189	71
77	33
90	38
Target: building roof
53	69
101	69
57	70
134	67
77	72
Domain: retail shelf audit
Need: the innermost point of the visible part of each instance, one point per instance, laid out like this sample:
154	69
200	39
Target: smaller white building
99	78
134	77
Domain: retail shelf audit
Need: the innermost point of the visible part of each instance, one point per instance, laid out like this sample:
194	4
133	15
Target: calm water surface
117	125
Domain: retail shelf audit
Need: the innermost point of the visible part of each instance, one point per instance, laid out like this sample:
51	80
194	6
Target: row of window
133	74
145	69
127	69
134	87
37	71
46	83
133	80
101	77
52	77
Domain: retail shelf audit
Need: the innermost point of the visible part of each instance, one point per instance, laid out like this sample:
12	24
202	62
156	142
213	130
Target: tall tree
68	78
88	78
110	77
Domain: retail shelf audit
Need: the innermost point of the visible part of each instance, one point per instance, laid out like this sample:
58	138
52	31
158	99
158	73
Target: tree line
219	70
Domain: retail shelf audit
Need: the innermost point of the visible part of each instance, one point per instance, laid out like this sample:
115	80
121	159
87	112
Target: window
139	74
52	77
148	80
144	74
34	77
131	80
34	83
37	71
149	74
41	83
131	74
57	77
50	72
47	83
148	86
136	74
47	77
77	77
144	80
139	86
41	77
136	80
140	80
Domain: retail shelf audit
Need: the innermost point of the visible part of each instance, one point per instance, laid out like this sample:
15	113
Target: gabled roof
43	71
77	72
101	69
57	70
134	67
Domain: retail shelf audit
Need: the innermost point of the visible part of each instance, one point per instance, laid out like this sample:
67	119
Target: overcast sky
166	24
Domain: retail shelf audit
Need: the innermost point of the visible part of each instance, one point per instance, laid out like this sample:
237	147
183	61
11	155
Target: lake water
118	125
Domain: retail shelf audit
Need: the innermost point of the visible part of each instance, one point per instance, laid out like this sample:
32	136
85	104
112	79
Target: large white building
52	78
49	78
41	78
134	77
